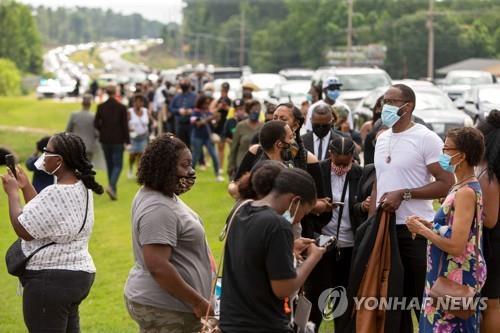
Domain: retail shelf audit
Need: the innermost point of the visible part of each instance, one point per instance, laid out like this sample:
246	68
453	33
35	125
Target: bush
10	78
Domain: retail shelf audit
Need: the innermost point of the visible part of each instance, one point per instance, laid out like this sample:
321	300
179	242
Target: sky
161	10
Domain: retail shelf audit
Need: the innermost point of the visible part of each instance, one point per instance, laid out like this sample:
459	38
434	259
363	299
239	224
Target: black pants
183	132
51	298
330	272
414	258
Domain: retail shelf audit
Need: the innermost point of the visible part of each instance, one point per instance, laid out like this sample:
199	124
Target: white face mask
40	163
287	215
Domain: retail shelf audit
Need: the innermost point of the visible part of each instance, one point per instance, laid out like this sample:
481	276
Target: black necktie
320	149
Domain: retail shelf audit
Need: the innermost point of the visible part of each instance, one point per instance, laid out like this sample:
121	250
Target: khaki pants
156	320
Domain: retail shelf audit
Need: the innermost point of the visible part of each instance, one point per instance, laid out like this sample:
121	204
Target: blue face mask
309	98
333	94
254	115
445	162
390	114
288	216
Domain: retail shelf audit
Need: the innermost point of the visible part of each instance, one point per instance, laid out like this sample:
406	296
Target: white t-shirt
411	152
138	125
346	236
56	214
308	124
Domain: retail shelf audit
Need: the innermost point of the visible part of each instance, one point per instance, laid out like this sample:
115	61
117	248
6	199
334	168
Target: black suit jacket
308	140
111	120
353	178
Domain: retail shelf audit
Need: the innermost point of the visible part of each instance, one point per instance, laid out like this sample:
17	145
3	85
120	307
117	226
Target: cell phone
338	203
10	161
324	240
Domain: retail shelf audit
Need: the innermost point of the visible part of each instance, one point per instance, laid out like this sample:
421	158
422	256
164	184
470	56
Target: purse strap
476	250
81	228
341	208
223	237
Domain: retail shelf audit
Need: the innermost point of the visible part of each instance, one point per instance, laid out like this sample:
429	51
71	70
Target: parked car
357	82
296	74
52	88
291	91
479	100
432	106
457	82
265	82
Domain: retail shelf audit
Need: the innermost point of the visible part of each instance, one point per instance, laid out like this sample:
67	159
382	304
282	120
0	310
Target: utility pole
349	32
430	47
242	36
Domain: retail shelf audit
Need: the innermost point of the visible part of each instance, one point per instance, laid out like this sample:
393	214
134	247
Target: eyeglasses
45	150
391	101
445	149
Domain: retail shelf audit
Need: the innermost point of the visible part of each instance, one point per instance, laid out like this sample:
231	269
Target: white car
457	82
50	88
291	91
265	82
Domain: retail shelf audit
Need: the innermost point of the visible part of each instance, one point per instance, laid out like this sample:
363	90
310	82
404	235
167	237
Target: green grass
87	57
154	57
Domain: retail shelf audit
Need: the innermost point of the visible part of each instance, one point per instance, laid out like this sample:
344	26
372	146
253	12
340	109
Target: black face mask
286	152
185	183
184	87
321	130
247	95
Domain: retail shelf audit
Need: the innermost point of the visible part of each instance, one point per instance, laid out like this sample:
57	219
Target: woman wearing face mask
169	286
243	135
59	276
455	236
259	267
341	179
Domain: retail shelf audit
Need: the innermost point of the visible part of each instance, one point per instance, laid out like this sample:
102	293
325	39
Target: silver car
478	101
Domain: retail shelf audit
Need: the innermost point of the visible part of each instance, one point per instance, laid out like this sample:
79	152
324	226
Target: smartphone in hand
10	161
324	241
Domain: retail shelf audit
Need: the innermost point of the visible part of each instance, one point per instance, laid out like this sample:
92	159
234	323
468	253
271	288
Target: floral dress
461	269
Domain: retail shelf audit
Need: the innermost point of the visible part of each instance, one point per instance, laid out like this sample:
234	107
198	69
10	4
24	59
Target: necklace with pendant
388	158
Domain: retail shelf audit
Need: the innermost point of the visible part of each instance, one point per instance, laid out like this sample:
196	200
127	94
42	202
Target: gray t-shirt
158	219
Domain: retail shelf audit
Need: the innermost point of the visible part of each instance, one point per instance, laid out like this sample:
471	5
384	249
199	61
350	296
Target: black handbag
15	259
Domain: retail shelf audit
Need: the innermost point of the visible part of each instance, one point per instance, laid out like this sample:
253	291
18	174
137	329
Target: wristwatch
407	195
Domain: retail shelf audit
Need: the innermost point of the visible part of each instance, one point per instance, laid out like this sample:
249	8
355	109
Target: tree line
291	33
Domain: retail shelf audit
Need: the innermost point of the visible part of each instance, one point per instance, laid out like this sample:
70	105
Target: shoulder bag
444	290
210	324
16	260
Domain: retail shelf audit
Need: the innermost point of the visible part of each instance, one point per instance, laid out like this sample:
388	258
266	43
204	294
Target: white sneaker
203	167
219	179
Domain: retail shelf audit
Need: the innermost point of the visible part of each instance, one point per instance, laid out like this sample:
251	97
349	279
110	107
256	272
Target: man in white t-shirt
406	160
331	90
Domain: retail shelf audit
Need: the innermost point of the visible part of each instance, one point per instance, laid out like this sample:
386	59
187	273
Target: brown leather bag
445	292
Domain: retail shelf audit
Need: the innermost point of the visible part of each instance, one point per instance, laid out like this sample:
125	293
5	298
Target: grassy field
110	246
87	57
154	57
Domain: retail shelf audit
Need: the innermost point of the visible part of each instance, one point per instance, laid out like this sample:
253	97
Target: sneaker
111	193
219	179
130	174
203	167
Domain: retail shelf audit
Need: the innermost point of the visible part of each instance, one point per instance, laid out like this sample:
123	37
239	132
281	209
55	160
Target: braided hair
300	160
73	152
490	127
342	146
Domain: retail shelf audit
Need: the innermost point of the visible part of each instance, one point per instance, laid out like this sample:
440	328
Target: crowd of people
299	176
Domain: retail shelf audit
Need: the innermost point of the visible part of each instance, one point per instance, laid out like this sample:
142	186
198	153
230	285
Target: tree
10	78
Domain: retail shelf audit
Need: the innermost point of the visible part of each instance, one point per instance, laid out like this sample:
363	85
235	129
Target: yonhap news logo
333	303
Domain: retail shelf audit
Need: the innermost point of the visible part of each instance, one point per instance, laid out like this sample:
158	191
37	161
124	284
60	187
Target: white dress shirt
326	142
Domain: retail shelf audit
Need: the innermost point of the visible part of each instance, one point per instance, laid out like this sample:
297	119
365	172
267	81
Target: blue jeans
197	145
113	153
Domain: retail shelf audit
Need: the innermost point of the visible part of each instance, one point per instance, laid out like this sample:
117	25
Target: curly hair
158	166
469	141
490	127
73	152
